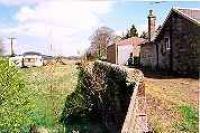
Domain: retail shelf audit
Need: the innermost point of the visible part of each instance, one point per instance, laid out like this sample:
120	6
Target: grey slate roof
192	13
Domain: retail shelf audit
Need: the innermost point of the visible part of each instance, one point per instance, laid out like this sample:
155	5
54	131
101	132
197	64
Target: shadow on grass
84	124
164	74
77	115
93	108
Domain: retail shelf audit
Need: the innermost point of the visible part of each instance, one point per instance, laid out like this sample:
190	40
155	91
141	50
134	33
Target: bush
76	103
101	97
15	100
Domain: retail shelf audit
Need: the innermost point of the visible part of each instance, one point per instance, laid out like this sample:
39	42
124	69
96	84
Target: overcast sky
62	27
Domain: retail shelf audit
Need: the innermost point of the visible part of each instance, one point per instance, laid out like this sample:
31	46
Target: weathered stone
183	55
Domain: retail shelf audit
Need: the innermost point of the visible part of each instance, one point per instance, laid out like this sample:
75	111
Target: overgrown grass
189	121
51	85
172	104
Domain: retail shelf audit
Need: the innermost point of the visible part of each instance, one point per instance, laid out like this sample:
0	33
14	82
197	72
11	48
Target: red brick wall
111	54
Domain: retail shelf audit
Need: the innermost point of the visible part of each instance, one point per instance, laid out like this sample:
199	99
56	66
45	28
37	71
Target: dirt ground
165	96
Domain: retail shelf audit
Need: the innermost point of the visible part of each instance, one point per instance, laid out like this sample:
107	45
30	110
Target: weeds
189	121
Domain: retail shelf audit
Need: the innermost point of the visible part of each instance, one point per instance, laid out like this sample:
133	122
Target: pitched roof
191	13
135	41
31	53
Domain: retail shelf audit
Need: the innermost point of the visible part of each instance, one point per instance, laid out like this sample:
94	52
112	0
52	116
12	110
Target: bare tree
99	41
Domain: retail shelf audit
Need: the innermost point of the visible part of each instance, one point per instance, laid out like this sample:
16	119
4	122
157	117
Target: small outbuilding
120	51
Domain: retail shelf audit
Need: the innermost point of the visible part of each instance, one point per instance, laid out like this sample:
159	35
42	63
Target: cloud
19	2
141	28
119	32
66	25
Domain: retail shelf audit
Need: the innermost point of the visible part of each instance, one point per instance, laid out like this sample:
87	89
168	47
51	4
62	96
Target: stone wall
118	84
163	56
148	55
136	118
103	93
185	45
183	56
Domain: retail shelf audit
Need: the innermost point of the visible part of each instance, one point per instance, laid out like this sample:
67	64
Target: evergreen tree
131	33
144	35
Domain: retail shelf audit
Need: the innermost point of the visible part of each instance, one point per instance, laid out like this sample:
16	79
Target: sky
63	27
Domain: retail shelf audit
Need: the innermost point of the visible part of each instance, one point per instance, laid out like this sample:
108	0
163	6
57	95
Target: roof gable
192	15
134	41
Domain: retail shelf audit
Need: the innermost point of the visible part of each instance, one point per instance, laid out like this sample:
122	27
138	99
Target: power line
157	2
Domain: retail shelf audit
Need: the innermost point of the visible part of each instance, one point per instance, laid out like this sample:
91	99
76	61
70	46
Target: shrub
76	103
101	95
15	100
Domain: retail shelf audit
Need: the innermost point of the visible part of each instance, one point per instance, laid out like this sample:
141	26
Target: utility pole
11	46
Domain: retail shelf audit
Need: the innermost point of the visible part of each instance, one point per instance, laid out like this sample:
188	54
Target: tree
99	41
144	35
131	33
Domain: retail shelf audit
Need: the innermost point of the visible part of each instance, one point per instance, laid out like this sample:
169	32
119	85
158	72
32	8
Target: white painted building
119	52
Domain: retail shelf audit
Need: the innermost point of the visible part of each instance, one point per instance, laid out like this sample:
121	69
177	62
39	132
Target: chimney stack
151	25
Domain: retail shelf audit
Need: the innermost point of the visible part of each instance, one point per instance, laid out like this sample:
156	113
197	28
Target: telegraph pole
11	46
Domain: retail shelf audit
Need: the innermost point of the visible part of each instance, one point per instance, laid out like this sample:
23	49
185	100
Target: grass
50	85
172	104
189	119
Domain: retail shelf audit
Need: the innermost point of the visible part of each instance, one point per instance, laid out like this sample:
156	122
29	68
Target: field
51	85
172	104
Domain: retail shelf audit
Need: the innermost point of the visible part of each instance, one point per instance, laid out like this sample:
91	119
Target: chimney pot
150	12
151	25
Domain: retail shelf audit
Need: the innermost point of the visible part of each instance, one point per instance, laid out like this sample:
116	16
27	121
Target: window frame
167	44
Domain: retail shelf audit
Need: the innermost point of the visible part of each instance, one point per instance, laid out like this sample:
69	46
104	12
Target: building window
167	43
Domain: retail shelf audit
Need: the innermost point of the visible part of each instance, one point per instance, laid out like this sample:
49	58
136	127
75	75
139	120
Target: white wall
124	53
